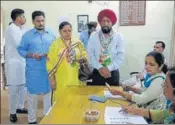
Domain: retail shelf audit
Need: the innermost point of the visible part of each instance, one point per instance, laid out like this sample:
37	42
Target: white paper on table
113	116
107	94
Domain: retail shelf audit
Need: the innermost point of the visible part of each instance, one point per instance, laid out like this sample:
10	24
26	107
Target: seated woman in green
160	116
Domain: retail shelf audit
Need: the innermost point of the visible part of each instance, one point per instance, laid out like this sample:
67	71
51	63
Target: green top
162	116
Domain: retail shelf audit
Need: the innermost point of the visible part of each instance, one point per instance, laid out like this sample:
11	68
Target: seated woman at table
166	116
151	94
61	64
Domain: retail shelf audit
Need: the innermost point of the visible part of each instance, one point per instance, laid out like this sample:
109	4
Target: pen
128	105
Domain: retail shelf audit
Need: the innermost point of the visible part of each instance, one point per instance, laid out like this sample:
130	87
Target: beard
106	29
40	27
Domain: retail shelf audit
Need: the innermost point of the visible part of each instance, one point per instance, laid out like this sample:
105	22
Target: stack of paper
107	94
113	116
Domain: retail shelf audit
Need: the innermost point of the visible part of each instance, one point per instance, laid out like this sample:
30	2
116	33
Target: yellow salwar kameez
66	74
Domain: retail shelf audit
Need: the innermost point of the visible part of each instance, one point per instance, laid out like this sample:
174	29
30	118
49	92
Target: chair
135	73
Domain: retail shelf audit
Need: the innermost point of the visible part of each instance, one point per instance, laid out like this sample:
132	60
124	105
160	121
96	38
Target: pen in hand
128	105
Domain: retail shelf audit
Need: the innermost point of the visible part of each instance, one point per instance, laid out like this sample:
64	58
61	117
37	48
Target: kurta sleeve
24	46
52	56
158	116
151	93
82	38
15	36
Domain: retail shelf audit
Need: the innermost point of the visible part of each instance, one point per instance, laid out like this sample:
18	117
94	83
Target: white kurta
2	45
14	63
154	91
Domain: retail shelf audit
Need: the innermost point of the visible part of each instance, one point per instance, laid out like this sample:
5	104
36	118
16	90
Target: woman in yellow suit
62	64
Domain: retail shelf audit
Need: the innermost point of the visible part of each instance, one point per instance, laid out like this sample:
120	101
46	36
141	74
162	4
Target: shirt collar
36	31
16	25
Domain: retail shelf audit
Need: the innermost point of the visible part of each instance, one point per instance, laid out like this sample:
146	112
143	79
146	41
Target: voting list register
113	115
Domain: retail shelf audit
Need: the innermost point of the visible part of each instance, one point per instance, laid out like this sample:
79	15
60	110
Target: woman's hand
52	83
127	88
130	109
131	88
82	60
53	86
136	111
115	91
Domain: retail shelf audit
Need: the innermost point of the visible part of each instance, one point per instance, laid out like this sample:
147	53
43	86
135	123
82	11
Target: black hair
37	13
15	13
10	23
165	68
159	58
161	42
91	25
171	73
64	24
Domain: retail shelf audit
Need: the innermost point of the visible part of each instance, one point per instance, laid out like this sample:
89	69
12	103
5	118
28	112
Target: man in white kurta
15	64
2	60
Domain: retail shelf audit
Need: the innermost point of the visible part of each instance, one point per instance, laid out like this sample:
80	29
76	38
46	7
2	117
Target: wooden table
71	105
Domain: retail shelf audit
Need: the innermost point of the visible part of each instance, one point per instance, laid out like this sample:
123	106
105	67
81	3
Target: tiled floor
22	119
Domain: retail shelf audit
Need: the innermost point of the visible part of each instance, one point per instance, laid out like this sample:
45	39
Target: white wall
139	39
172	54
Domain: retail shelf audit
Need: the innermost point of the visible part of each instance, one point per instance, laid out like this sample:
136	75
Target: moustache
40	26
106	29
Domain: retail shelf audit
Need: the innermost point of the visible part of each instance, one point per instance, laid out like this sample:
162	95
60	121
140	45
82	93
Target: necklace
105	41
104	56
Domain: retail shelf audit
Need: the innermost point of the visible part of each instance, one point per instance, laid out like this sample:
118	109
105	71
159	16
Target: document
113	116
107	94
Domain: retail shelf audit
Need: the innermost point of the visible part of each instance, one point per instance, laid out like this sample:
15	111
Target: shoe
13	118
32	122
22	111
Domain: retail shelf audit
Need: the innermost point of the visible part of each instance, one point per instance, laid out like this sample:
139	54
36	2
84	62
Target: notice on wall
132	13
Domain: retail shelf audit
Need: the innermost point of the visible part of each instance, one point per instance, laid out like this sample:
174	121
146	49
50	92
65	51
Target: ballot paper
113	116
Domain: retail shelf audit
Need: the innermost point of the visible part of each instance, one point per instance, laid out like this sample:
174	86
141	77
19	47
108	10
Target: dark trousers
98	80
